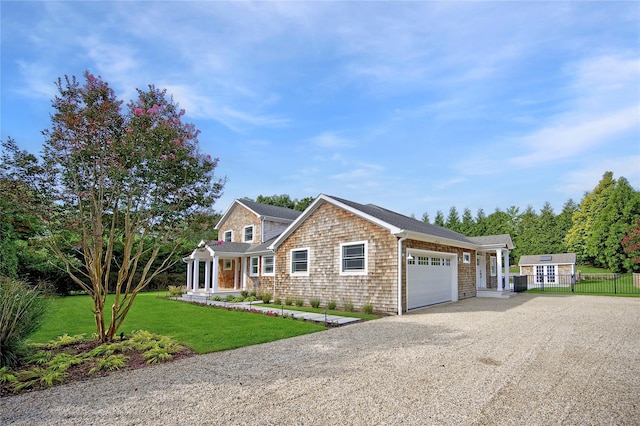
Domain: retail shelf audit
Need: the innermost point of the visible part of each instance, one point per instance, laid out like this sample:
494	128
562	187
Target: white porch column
189	275
506	270
499	267
207	275
243	273
196	274
215	274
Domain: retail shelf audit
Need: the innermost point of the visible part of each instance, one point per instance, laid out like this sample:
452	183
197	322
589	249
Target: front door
481	271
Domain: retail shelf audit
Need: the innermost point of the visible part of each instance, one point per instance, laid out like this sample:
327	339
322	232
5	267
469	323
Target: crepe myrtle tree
129	176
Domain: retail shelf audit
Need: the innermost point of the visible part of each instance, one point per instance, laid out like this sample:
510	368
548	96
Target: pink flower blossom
182	112
173	157
208	157
138	111
91	77
163	157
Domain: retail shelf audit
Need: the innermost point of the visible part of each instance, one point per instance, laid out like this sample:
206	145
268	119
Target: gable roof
397	224
262	211
556	258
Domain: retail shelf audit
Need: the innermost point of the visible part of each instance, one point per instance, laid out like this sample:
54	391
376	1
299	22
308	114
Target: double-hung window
254	266
228	235
300	261
248	234
268	265
353	258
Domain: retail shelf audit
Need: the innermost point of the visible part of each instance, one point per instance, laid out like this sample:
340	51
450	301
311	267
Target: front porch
492	273
210	270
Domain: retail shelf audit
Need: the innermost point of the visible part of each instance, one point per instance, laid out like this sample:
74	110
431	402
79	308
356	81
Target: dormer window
248	234
228	236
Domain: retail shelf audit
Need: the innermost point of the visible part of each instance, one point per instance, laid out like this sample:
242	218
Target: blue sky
414	106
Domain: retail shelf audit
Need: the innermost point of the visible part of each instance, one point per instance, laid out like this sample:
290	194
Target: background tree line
602	230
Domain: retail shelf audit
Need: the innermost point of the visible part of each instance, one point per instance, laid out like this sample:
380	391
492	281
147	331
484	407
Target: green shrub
110	363
368	309
175	291
238	299
266	297
217	298
331	305
253	293
315	303
244	294
299	302
277	301
229	298
250	299
22	311
348	307
288	301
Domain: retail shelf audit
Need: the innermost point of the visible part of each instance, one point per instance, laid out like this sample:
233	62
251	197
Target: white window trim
270	274
224	235
493	266
299	274
366	258
224	264
244	234
251	271
466	257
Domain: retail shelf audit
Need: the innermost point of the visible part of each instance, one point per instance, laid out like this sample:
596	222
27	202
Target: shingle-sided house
557	268
342	251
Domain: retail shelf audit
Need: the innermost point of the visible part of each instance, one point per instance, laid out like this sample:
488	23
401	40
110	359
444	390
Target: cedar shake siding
240	218
322	233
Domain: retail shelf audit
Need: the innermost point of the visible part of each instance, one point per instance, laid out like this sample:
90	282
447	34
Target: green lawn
321	311
203	329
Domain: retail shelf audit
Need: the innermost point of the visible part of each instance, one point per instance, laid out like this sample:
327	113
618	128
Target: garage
431	278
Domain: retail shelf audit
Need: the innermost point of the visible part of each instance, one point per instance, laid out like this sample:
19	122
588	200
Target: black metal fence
627	284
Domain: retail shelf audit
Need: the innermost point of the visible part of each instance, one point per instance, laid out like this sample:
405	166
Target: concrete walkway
283	312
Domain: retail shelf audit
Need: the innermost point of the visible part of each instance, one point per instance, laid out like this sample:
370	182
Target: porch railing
578	284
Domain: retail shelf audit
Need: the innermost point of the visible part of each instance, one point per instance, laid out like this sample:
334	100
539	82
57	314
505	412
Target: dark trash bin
520	283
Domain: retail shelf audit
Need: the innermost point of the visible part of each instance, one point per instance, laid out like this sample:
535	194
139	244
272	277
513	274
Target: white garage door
429	280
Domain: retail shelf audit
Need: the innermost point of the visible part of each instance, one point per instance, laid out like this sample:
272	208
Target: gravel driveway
526	360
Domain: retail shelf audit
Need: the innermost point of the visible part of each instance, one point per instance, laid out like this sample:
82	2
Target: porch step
496	294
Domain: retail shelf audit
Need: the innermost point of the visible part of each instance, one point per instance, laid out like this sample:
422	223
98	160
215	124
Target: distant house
349	253
558	268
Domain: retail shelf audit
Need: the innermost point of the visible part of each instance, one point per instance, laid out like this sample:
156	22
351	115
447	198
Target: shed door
429	280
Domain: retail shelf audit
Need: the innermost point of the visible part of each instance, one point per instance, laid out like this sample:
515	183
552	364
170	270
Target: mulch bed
80	372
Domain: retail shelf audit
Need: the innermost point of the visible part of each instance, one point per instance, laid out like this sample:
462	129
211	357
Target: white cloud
577	182
575	137
330	140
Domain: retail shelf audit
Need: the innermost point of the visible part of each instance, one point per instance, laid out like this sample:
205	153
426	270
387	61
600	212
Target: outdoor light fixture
410	257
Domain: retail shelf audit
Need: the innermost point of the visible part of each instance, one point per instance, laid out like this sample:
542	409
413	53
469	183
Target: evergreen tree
527	241
481	225
453	220
425	217
439	220
468	225
564	222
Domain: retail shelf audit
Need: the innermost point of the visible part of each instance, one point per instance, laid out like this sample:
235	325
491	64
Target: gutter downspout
400	263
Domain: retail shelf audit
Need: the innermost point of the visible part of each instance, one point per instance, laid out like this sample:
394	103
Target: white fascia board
247	207
484	247
314	206
294	225
356	212
437	240
225	215
276	219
